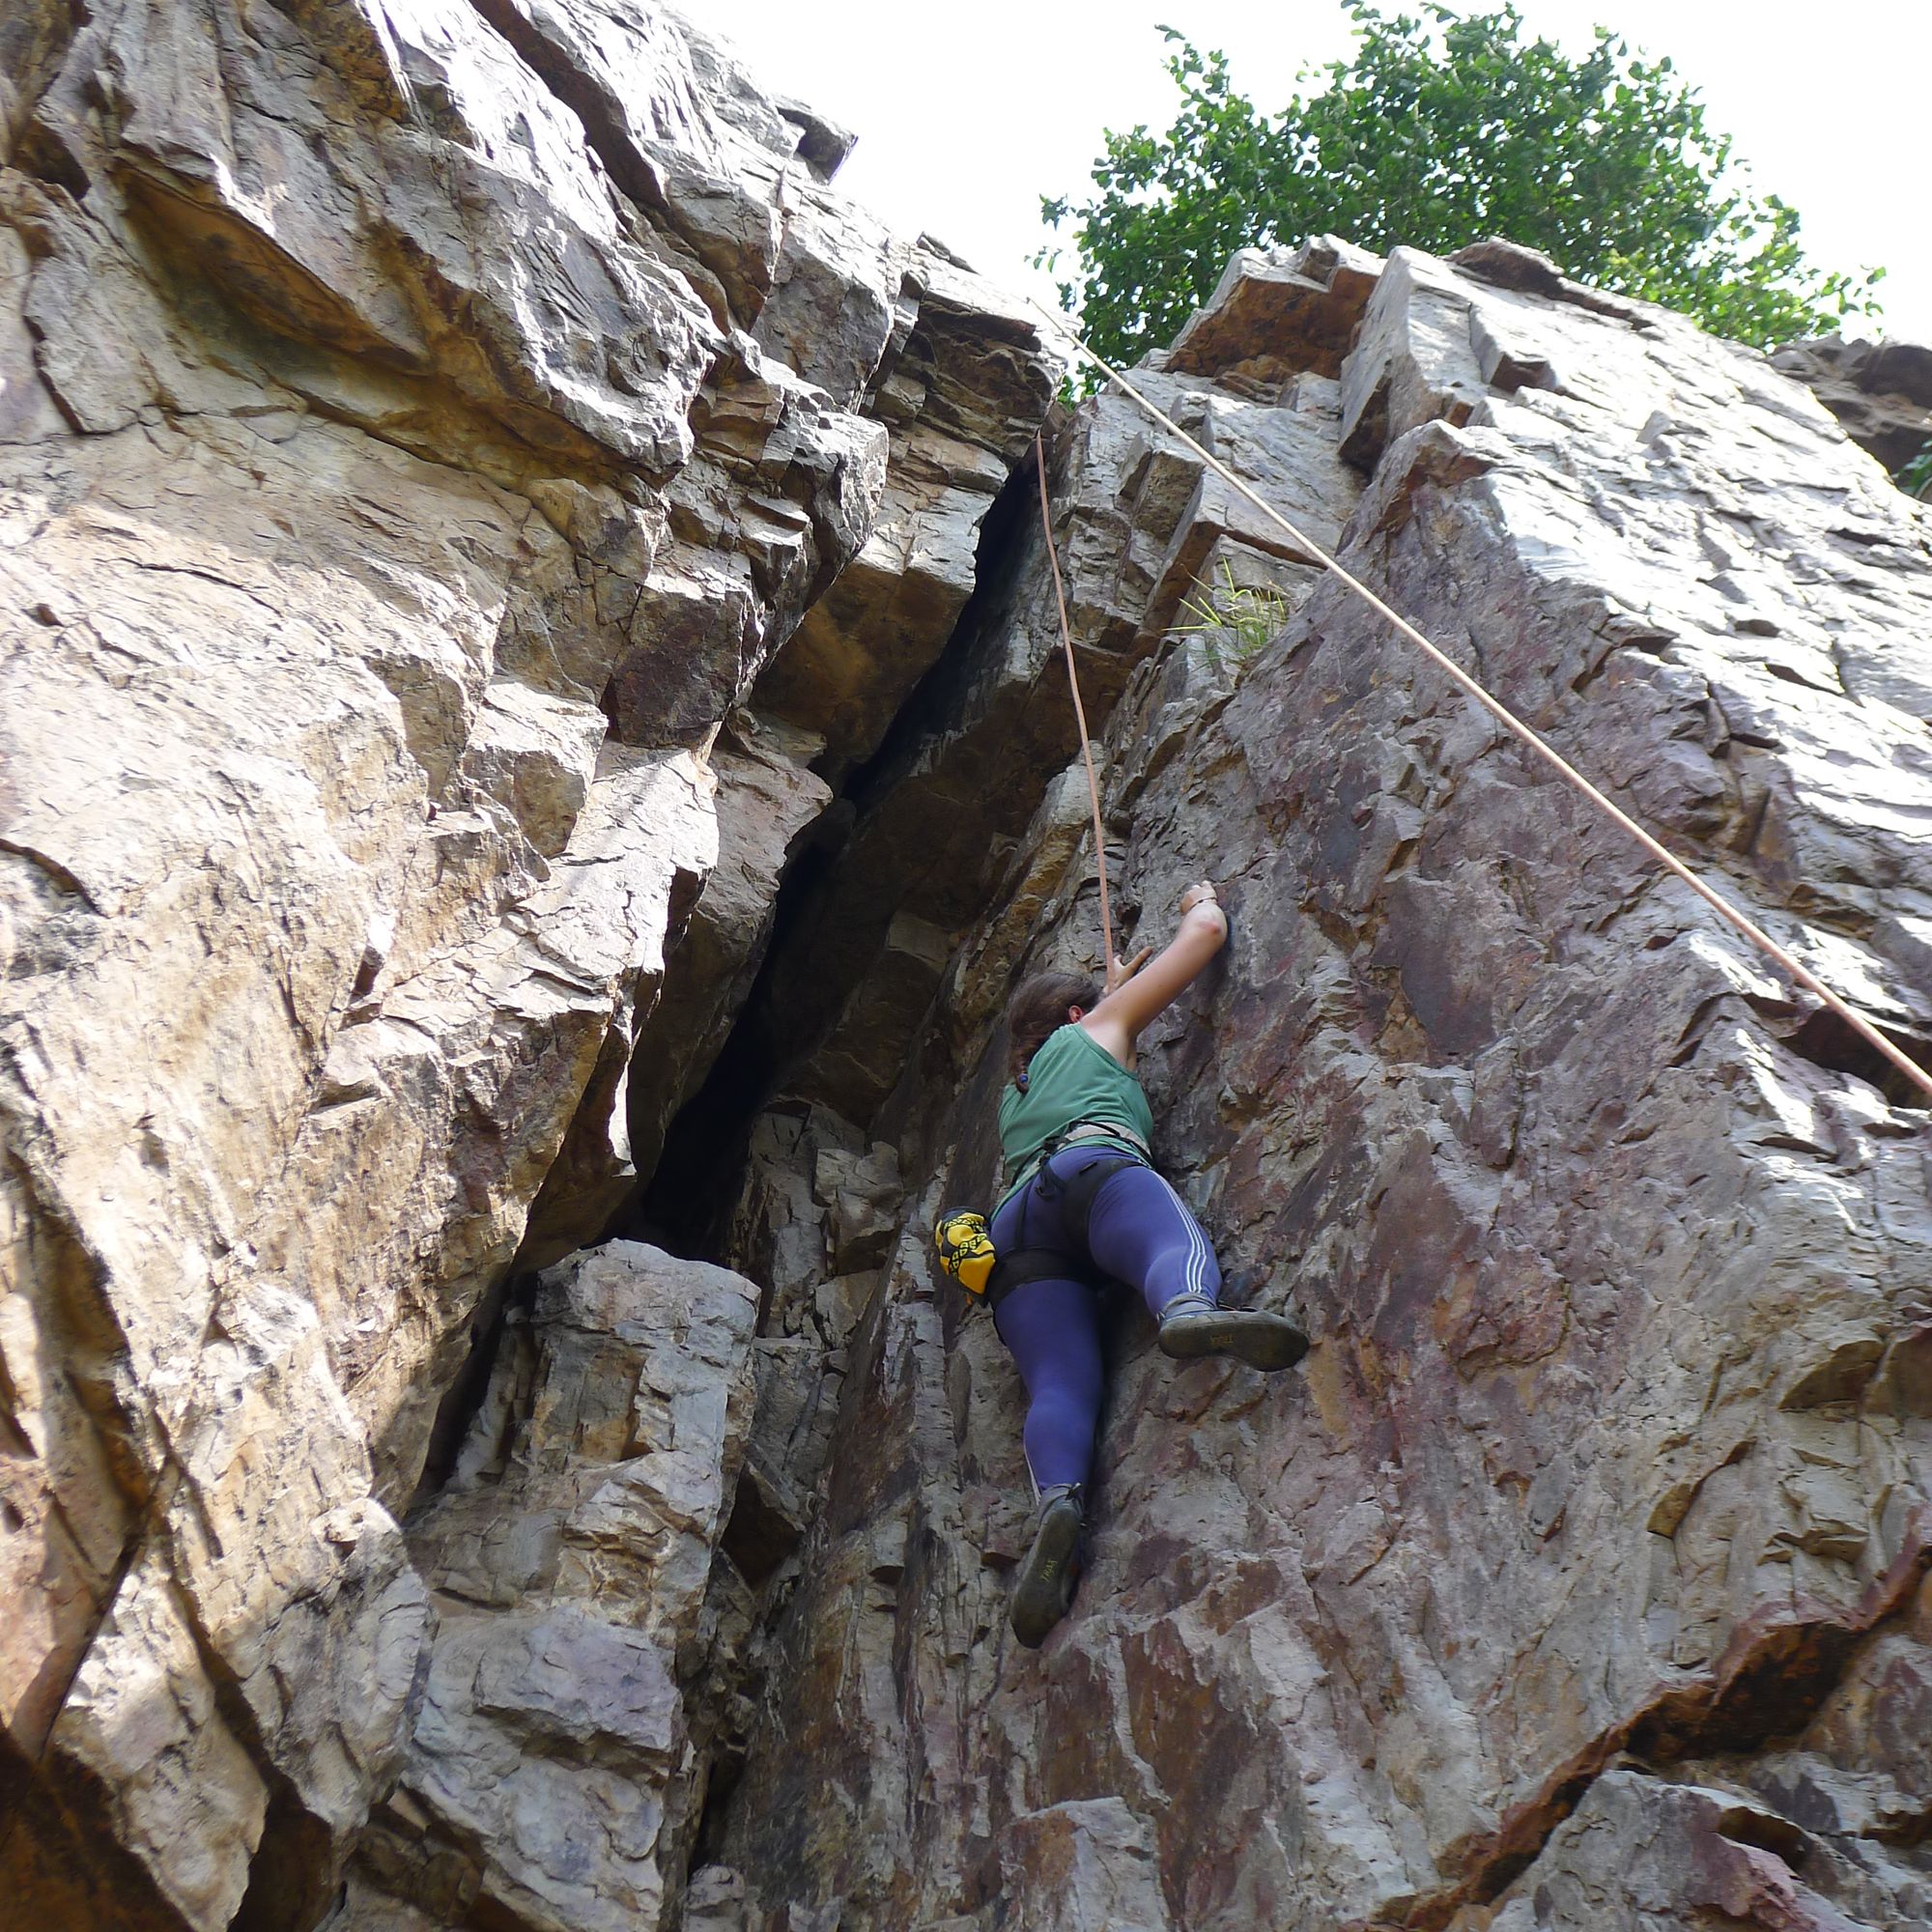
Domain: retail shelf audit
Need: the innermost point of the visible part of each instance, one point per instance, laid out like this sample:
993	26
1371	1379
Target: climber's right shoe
1191	1325
1044	1586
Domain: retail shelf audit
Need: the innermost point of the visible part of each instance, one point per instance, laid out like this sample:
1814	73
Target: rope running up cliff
1500	711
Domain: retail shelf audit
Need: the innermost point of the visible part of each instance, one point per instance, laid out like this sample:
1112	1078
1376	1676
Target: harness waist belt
1080	1130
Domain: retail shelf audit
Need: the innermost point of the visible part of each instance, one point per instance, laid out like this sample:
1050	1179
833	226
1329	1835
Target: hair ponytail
1037	1009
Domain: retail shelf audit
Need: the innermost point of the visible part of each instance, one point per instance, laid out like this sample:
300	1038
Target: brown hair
1037	1009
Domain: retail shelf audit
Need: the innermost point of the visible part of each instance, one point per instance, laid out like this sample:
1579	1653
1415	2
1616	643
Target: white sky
967	114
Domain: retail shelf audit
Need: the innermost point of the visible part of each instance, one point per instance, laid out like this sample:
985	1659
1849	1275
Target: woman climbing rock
1084	1203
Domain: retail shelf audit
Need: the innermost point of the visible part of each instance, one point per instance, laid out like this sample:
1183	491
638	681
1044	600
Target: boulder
1881	391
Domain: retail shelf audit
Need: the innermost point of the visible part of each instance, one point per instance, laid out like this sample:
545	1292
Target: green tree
1438	131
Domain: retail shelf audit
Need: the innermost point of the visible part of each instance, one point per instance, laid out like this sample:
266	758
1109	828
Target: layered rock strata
478	511
418	428
1580	1577
1881	391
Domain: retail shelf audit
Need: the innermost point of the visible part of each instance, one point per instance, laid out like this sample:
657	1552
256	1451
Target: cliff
535	749
421	428
1579	1582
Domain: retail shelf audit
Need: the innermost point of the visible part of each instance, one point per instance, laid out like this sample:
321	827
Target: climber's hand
1200	894
1117	974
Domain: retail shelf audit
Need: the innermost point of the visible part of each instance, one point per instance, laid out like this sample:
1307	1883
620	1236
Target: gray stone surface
471	494
1601	1497
551	1767
419	427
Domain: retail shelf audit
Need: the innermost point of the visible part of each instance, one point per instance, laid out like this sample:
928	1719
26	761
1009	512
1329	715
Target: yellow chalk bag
965	1248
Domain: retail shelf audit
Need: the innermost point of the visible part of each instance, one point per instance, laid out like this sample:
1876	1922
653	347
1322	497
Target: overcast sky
968	113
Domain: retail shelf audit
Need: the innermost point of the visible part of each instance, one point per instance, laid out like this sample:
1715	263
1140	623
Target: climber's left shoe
1044	1586
1191	1325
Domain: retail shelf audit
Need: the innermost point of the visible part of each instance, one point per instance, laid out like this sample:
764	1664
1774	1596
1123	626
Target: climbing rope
1500	711
1079	717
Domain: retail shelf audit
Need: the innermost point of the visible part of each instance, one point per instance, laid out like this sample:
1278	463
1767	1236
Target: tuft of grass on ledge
1235	620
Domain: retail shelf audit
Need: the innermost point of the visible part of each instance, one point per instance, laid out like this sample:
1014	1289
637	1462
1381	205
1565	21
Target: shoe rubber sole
1268	1342
1045	1585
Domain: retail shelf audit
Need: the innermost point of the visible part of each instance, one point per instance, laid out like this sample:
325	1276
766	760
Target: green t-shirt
1073	1077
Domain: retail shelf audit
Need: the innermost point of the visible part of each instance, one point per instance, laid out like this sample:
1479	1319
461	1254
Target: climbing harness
1524	733
962	1238
1028	1265
1076	1196
1080	1130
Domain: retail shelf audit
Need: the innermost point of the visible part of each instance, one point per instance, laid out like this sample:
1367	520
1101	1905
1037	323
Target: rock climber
1084	1201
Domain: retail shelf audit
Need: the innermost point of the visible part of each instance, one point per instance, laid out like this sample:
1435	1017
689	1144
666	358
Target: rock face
943	820
1579	1578
570	1559
418	428
478	516
1881	391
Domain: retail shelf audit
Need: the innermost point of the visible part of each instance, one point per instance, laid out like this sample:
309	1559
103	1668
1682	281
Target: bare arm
1116	1021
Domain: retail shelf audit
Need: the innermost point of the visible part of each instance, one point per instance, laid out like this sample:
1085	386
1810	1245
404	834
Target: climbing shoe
1044	1586
1192	1326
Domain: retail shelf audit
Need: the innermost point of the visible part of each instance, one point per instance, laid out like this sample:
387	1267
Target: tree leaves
1442	130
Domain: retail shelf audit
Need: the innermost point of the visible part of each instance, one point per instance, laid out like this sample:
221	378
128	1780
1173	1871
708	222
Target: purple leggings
1139	1232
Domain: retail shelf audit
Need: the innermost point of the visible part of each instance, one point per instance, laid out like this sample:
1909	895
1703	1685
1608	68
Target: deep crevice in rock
457	1414
678	1203
791	1003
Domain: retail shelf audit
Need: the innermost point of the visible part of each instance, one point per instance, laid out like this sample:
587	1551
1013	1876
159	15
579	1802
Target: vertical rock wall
1580	1577
475	507
418	428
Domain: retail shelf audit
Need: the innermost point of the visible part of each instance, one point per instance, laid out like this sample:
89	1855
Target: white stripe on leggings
1198	1250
